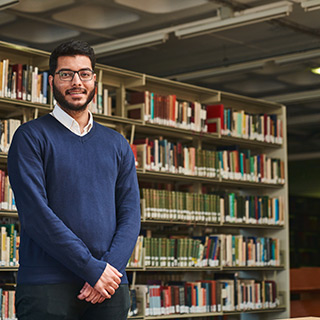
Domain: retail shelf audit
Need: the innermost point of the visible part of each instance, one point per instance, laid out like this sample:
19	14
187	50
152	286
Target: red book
173	107
18	68
256	213
215	112
212	294
134	150
138	98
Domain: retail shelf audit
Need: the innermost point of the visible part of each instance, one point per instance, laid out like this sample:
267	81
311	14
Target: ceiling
223	45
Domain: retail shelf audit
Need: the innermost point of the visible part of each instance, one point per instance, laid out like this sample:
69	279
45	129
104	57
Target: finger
91	296
105	294
111	290
85	292
112	285
101	299
109	276
85	286
114	278
119	274
96	297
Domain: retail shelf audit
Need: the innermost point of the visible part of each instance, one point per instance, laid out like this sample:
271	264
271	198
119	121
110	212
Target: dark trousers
59	301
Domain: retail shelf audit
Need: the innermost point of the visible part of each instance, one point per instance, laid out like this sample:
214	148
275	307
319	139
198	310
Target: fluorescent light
310	5
249	16
214	72
303	156
131	43
295	97
4	4
246	66
315	70
241	18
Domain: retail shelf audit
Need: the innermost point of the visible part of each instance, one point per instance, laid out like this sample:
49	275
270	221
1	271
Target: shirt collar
71	123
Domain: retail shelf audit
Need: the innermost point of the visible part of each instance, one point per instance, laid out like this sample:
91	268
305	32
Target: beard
69	106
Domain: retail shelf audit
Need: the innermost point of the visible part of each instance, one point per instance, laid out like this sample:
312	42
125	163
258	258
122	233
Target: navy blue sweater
77	199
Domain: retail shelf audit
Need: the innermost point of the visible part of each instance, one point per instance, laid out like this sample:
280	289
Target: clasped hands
105	287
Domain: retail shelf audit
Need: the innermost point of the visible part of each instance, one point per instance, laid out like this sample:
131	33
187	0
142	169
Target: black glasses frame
74	72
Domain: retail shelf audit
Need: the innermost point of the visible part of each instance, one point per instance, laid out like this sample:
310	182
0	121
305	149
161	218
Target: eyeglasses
67	75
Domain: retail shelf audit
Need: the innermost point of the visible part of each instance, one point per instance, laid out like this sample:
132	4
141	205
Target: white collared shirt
71	123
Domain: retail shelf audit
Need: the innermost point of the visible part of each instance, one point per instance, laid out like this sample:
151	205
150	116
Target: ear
50	80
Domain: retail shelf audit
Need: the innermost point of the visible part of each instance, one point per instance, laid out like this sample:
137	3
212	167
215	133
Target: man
77	196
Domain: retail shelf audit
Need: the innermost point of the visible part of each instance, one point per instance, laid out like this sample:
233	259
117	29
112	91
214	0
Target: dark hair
71	48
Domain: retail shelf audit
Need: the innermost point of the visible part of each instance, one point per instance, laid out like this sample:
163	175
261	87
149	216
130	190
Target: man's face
73	95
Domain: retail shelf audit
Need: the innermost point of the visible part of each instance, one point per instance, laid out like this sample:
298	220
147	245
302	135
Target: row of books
167	110
180	206
7	201
224	250
243	165
211	208
7	304
23	82
9	244
238	123
205	296
241	251
181	252
7	130
251	209
229	163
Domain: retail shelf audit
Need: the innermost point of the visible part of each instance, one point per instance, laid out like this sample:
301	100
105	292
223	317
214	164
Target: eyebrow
66	69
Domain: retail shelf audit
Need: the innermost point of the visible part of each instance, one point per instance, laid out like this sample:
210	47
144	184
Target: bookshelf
206	178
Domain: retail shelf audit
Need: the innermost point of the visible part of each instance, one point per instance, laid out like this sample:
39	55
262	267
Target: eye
66	74
86	74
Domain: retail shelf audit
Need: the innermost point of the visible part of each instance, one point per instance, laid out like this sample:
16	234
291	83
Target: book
215	118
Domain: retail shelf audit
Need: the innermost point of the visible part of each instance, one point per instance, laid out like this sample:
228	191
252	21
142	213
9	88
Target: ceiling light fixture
130	43
316	70
215	72
247	66
241	18
4	4
216	23
310	5
295	97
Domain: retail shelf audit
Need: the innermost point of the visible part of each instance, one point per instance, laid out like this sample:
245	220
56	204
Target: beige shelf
181	177
250	104
183	91
184	223
185	315
209	314
252	225
8	213
254	268
277	309
203	269
11	269
211	224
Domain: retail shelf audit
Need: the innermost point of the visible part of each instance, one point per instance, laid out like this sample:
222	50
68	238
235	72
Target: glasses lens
66	75
85	74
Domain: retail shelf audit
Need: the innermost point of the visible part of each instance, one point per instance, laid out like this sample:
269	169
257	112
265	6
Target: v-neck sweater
77	199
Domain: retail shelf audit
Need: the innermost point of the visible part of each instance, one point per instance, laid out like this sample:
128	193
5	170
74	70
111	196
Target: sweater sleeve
127	212
38	221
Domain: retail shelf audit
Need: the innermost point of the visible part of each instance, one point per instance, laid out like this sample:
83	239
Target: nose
76	81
